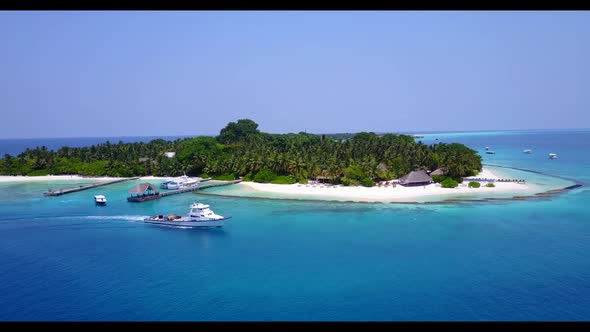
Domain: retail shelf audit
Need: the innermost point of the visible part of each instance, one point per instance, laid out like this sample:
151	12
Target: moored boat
552	156
164	184
180	182
529	151
200	215
189	183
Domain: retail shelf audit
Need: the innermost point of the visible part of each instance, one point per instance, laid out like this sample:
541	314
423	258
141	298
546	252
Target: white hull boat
100	200
180	182
199	216
190	184
186	222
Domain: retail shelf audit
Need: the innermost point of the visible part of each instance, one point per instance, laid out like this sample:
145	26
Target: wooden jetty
89	186
141	190
198	187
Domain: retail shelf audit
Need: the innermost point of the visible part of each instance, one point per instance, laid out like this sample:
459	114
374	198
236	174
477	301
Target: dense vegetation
242	150
458	179
449	183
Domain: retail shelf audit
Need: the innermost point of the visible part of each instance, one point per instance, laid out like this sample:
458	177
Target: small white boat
100	200
200	215
487	148
529	151
552	156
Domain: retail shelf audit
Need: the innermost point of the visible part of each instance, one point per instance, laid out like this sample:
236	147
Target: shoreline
431	193
389	194
540	195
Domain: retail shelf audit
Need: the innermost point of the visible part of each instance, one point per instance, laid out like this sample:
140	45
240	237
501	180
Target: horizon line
302	131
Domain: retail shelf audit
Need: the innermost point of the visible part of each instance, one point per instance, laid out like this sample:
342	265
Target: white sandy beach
389	193
432	192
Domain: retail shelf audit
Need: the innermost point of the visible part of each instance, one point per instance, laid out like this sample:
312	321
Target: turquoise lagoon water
63	258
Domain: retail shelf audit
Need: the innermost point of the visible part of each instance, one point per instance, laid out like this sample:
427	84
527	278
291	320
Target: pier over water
89	186
161	194
199	186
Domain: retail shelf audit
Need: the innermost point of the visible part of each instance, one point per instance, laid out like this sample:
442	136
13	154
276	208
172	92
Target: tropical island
241	150
364	166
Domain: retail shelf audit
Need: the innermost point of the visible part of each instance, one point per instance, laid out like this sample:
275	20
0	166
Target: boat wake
45	218
122	217
172	226
72	222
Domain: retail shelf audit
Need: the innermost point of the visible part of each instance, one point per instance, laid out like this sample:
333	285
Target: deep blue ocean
63	258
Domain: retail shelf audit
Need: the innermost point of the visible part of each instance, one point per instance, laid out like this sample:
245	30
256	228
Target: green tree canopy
237	131
242	150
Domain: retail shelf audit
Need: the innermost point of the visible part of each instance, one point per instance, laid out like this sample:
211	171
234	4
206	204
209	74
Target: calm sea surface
63	258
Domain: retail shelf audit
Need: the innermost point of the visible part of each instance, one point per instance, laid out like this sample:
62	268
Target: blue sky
133	73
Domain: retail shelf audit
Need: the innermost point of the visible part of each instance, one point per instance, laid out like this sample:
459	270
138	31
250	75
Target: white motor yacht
180	182
164	185
189	183
199	215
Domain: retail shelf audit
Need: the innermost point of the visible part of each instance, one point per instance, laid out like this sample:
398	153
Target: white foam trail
172	226
123	217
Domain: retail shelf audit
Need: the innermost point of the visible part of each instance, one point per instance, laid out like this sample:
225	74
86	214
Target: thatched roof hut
142	188
438	171
415	178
